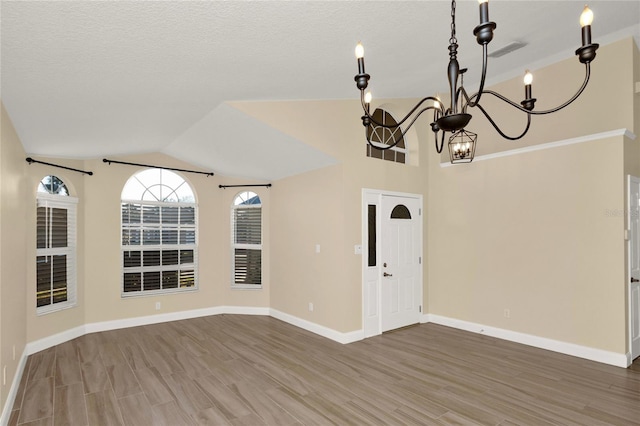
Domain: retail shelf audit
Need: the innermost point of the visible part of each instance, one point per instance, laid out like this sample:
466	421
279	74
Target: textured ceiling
86	79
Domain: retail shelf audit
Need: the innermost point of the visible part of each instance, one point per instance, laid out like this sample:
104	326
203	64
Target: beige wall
99	265
606	104
102	245
632	152
542	232
13	330
325	207
539	234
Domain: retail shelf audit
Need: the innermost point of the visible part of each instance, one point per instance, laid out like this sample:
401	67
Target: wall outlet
310	306
507	313
157	306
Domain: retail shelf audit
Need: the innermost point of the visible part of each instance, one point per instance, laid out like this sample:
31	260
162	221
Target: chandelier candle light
454	119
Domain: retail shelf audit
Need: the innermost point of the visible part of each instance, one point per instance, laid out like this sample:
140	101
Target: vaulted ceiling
86	79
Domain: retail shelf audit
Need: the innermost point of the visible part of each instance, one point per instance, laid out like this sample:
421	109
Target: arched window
246	240
383	136
55	246
400	212
159	234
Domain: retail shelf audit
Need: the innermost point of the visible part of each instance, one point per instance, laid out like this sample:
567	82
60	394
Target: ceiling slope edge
234	144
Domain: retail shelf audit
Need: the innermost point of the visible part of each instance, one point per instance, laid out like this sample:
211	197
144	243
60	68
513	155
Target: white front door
400	257
633	224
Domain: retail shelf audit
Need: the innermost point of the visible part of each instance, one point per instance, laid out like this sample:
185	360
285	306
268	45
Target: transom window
55	246
52	185
246	240
159	234
383	136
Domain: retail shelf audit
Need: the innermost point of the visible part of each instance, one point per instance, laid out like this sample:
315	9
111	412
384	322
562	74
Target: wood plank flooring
255	370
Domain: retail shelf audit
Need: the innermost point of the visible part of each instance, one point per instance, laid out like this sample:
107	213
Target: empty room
319	212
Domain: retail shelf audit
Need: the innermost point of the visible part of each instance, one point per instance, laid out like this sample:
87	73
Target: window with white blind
159	234
246	240
55	246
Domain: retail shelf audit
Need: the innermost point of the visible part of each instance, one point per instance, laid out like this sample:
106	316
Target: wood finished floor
254	370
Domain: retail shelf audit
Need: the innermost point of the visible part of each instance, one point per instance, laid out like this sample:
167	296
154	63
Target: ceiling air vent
514	45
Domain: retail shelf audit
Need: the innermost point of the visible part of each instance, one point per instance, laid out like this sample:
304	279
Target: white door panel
400	254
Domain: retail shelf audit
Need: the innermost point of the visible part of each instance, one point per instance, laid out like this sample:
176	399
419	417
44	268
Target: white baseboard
65	336
56	339
174	316
593	354
13	391
323	331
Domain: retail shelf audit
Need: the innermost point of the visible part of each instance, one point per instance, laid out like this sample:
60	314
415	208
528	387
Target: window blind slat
248	225
41	227
248	266
58	227
170	214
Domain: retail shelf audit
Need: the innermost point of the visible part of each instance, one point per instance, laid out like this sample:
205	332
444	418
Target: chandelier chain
453	39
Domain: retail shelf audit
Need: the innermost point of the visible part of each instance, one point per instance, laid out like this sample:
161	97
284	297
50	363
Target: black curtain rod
104	160
31	160
268	185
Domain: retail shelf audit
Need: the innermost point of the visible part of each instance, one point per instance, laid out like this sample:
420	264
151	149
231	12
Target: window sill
246	287
49	309
154	293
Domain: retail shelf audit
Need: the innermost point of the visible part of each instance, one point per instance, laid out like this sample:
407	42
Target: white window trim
71	205
234	246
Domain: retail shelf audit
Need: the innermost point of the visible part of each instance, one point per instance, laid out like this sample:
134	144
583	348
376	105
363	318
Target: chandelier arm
417	116
462	91
406	117
379	147
475	102
547	111
495	126
375	146
439	148
578	93
368	138
402	131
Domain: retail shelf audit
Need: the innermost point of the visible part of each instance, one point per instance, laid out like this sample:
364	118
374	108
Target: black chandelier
455	118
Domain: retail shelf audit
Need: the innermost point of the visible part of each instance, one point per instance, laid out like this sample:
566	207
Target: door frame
630	318
372	324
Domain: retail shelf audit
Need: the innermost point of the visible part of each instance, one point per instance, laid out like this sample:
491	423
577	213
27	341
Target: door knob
633	280
384	274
